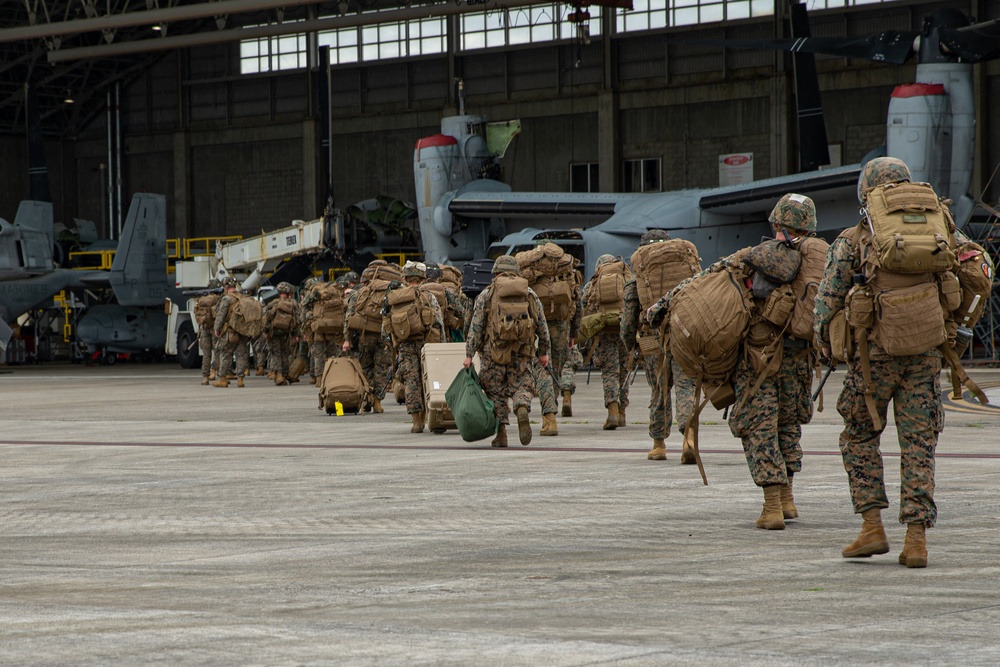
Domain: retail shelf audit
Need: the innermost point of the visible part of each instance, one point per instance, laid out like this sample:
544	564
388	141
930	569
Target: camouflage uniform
230	343
567	379
322	345
259	345
514	380
910	382
206	342
611	358
305	330
374	353
281	342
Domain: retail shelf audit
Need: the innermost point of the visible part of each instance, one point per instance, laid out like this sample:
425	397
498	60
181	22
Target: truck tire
188	356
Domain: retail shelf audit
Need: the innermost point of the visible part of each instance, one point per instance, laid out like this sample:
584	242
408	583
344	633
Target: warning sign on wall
735	168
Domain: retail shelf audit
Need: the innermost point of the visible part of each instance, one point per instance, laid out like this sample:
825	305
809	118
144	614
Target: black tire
188	355
109	358
438	431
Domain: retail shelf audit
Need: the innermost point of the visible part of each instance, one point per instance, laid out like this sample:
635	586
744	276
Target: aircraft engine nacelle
122	329
918	132
433	171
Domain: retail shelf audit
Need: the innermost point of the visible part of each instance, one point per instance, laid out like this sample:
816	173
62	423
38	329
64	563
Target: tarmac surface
145	519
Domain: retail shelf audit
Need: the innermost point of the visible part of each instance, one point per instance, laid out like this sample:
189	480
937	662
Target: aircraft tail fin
813	149
139	271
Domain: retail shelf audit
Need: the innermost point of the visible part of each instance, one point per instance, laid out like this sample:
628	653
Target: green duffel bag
473	412
591	325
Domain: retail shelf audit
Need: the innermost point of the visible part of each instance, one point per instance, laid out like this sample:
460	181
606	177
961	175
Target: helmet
795	212
775	261
879	171
229	282
414	269
506	264
286	287
654	235
433	271
214	283
351	277
604	259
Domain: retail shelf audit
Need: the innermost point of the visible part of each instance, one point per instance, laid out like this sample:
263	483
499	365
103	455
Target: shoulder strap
960	377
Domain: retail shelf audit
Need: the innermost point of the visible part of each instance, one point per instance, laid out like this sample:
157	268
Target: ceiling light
157	27
69	98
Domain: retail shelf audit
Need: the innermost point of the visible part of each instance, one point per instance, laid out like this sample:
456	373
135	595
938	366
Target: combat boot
260	371
788	507
687	451
914	553
771	517
611	423
246	371
621	417
221	382
204	379
279	380
377	407
501	439
211	375
523	427
549	425
418	422
239	382
292	379
313	379
871	540
659	450
271	375
567	410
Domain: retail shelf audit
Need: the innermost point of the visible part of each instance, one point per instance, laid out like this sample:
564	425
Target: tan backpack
411	317
805	285
204	310
511	319
661	266
607	287
452	276
367	315
283	315
440	293
549	272
245	315
328	309
975	276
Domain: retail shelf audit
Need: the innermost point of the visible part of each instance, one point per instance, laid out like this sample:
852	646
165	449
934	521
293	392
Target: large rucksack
204	310
343	382
440	293
659	267
367	315
410	317
607	287
283	315
549	272
511	319
328	309
813	250
245	315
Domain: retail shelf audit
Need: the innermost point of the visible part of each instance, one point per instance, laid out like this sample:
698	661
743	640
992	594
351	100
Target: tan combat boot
211	375
788	507
501	439
418	422
523	427
279	380
687	451
611	423
621	417
549	425
246	371
567	410
260	371
239	382
271	375
659	450
221	382
771	517
377	407
204	379
914	553
871	540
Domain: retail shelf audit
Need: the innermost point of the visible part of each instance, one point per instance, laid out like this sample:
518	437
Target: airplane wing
488	204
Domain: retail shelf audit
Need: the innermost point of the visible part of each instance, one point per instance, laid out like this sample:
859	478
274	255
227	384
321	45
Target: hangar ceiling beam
255	32
198	10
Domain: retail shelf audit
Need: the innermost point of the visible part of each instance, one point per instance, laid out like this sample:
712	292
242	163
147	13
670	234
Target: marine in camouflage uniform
259	345
206	342
568	365
660	382
322	345
910	382
306	334
408	351
567	379
230	343
512	381
610	357
374	352
456	302
281	341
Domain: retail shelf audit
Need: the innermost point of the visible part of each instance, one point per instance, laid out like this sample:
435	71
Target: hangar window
641	175
584	177
523	25
656	14
271	54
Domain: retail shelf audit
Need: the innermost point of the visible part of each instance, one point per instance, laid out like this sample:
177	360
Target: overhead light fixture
157	27
69	98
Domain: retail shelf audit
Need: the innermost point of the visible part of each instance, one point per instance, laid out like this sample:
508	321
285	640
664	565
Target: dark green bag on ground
473	412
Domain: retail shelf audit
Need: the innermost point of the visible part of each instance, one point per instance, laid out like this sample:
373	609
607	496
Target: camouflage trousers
660	408
574	361
206	341
558	348
545	385
769	421
375	357
260	351
410	374
322	347
612	359
282	347
913	386
233	345
501	382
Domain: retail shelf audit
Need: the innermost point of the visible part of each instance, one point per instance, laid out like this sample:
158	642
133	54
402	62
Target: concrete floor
145	519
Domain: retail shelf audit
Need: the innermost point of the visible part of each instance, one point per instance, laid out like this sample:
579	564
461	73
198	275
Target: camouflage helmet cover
795	212
654	235
229	282
433	271
351	277
506	264
604	259
879	171
286	287
775	261
414	270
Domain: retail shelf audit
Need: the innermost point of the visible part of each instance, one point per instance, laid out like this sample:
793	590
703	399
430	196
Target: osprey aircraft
930	126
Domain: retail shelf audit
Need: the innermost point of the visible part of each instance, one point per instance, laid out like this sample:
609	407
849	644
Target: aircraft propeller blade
973	43
891	46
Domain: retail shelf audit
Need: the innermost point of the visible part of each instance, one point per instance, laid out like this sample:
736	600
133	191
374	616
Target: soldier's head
351	278
414	273
794	212
604	259
229	284
285	288
879	171
434	272
506	264
654	236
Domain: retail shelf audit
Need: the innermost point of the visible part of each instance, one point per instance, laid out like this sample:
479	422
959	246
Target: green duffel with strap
474	415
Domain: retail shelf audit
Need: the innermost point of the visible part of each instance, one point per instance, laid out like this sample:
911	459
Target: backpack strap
960	377
866	373
692	427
